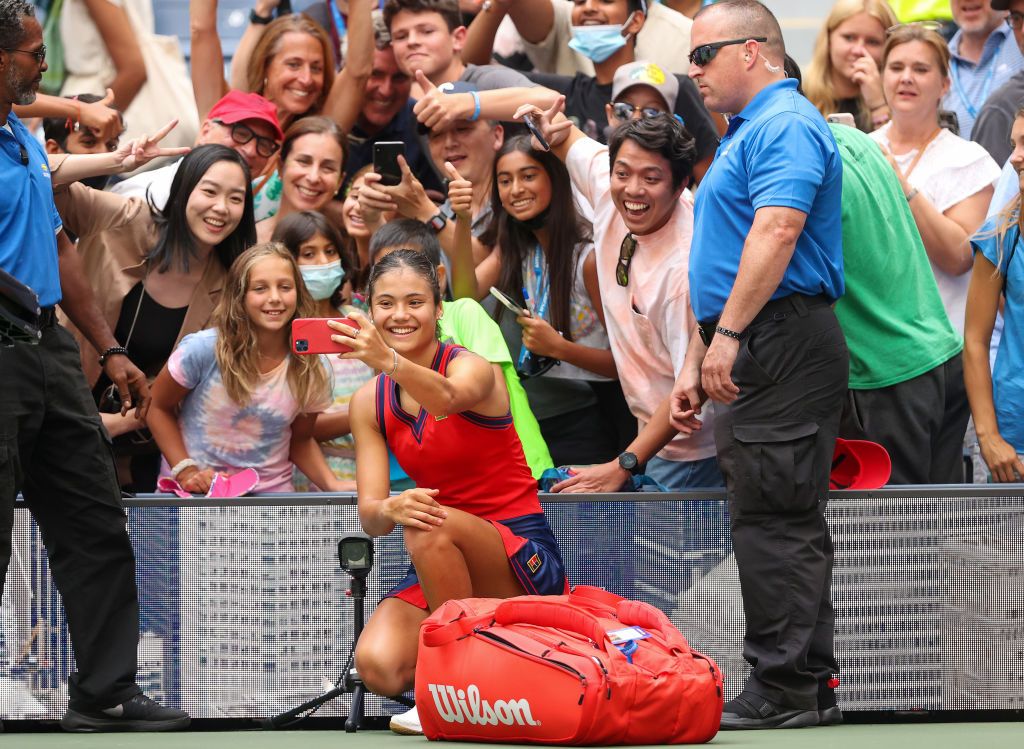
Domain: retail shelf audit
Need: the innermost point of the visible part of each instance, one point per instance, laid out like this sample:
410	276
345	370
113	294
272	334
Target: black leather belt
776	309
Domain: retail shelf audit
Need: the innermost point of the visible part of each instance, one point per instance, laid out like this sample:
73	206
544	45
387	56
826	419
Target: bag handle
640	614
434	636
535	610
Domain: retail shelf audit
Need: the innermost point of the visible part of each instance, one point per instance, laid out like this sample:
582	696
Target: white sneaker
407	723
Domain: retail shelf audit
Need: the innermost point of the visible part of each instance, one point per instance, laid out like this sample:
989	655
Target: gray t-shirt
487	77
992	128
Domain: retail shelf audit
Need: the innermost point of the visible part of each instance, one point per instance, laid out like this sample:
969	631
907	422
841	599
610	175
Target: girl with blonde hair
233	396
843	75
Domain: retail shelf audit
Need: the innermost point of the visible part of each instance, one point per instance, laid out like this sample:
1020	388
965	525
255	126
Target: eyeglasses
705	53
935	26
1015	20
624	111
39	54
242	134
626	250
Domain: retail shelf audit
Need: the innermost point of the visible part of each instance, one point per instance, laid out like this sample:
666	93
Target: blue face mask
598	43
322	280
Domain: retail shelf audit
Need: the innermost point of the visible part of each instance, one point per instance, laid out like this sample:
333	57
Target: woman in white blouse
948	181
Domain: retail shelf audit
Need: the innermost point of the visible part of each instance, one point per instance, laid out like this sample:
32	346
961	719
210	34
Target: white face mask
322	280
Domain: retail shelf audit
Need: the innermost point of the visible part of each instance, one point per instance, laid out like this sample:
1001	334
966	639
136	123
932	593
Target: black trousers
775	446
921	422
54	449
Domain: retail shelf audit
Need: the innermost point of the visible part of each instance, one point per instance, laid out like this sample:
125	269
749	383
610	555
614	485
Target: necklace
920	152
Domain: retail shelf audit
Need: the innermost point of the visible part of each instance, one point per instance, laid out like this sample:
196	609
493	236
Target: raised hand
102	117
439	111
365	341
135	153
460	192
553	125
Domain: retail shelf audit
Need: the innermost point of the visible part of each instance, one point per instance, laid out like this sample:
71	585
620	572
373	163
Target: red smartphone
311	335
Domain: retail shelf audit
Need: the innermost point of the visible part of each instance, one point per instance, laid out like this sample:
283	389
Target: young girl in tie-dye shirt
245	400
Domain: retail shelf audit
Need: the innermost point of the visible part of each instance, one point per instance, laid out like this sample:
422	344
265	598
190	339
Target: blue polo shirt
777	152
970	84
29	221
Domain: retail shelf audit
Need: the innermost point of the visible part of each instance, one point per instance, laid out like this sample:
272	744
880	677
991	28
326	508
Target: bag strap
434	636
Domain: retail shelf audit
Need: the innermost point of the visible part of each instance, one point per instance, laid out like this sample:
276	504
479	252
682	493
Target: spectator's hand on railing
415	508
1001	459
553	125
102	117
600	478
460	193
136	153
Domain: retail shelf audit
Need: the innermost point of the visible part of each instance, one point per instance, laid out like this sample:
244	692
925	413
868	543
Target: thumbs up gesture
439	111
460	192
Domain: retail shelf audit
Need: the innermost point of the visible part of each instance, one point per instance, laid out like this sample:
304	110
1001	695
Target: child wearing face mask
327	267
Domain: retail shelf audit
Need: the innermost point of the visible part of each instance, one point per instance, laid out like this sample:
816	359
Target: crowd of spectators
553	155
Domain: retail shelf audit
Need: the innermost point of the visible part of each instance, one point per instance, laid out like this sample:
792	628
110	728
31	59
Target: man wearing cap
765	267
983	56
587	97
992	128
52	446
242	121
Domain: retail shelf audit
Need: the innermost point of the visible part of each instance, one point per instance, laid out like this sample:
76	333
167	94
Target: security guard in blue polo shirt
52	445
765	268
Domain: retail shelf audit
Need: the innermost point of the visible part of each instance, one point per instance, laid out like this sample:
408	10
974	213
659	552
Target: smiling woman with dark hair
156	274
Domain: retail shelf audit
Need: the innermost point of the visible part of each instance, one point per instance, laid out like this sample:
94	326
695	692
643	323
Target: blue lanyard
954	73
538	285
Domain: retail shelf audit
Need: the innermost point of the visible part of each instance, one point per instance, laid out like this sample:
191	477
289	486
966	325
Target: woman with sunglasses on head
947	180
157	275
549	269
844	74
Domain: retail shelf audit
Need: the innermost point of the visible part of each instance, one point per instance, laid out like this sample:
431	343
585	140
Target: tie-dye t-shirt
226	437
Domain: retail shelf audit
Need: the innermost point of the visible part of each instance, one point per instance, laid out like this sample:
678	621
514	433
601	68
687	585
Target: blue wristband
476	106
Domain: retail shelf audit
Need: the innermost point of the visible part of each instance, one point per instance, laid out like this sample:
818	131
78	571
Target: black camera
301	345
110	401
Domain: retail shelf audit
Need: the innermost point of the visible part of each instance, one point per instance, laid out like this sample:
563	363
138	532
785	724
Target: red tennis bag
586	668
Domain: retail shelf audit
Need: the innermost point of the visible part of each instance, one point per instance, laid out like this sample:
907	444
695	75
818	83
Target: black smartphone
949	120
385	161
528	119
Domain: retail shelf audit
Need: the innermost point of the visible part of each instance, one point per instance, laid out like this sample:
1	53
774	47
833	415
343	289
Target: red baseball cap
859	464
236	106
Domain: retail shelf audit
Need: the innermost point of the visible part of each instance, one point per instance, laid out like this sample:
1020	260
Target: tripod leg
355	714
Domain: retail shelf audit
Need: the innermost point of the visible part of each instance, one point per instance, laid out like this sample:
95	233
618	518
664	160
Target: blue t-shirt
1007	255
29	221
777	152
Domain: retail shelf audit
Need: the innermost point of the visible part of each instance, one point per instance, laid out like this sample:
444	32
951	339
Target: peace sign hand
135	153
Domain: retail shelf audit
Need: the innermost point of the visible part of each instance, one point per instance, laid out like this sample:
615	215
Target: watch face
438	222
627	461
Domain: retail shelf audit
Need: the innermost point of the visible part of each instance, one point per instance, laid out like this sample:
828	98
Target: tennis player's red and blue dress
477	465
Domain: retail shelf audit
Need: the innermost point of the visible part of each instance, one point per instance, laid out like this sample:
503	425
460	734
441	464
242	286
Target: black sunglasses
39	54
705	53
535	366
242	134
626	250
623	110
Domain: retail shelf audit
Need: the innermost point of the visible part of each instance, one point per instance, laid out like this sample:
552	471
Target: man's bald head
746	19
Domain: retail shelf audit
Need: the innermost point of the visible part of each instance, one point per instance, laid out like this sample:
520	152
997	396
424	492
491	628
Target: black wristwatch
259	20
629	462
438	222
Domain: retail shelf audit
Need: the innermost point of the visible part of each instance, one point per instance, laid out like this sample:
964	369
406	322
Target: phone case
507	302
310	335
385	161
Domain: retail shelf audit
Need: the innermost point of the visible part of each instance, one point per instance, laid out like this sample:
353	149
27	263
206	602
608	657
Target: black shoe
139	713
751	712
829	713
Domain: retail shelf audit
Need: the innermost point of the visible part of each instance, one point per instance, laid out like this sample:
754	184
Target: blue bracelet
476	106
